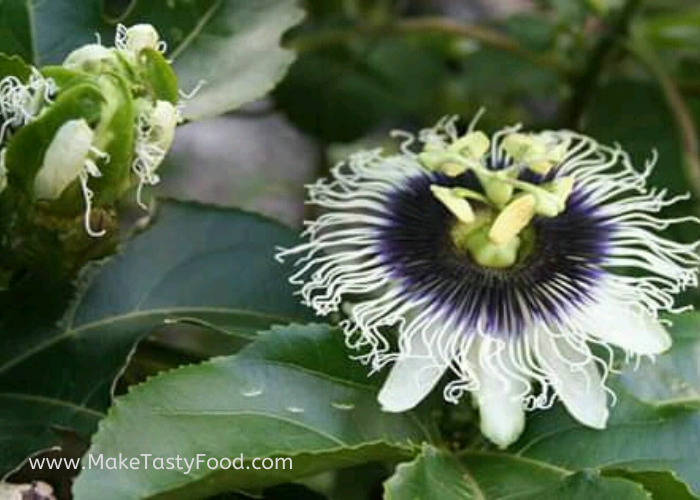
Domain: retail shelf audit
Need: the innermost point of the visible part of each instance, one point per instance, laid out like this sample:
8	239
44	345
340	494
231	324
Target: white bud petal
89	55
64	159
163	122
141	36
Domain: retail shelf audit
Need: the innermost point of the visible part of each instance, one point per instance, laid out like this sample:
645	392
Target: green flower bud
75	138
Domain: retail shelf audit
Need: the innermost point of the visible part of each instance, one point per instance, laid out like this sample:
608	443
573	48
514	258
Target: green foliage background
190	340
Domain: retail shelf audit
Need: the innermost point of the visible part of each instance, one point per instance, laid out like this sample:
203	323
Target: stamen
459	207
512	219
472	146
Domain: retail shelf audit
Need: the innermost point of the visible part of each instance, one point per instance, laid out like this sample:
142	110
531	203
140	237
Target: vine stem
586	83
679	109
427	25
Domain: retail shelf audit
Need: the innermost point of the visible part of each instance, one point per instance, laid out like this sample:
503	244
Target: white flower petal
499	398
64	159
629	328
577	384
411	378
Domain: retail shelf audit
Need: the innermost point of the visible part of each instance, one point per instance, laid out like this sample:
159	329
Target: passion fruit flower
100	121
503	260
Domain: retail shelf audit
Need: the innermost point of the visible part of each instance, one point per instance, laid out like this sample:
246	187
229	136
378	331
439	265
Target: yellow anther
535	152
473	146
552	197
541	167
513	219
522	147
558	152
453	169
458	206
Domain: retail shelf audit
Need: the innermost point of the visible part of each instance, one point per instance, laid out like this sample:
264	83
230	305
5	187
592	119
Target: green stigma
494	227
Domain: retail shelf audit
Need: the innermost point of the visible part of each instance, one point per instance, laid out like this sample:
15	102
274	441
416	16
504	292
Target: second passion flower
503	260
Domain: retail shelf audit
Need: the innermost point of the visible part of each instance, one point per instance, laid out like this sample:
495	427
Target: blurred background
621	71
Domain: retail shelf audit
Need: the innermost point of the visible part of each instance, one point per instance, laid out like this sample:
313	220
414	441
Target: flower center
496	239
496	231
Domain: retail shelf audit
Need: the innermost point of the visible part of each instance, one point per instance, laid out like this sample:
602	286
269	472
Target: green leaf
342	92
642	438
293	393
485	476
662	485
236	53
585	485
673	378
635	115
15	29
232	45
639	437
199	262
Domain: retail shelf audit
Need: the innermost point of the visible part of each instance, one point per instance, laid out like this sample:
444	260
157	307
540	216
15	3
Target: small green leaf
14	66
485	476
160	75
284	396
64	77
115	136
235	50
672	378
586	484
209	264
